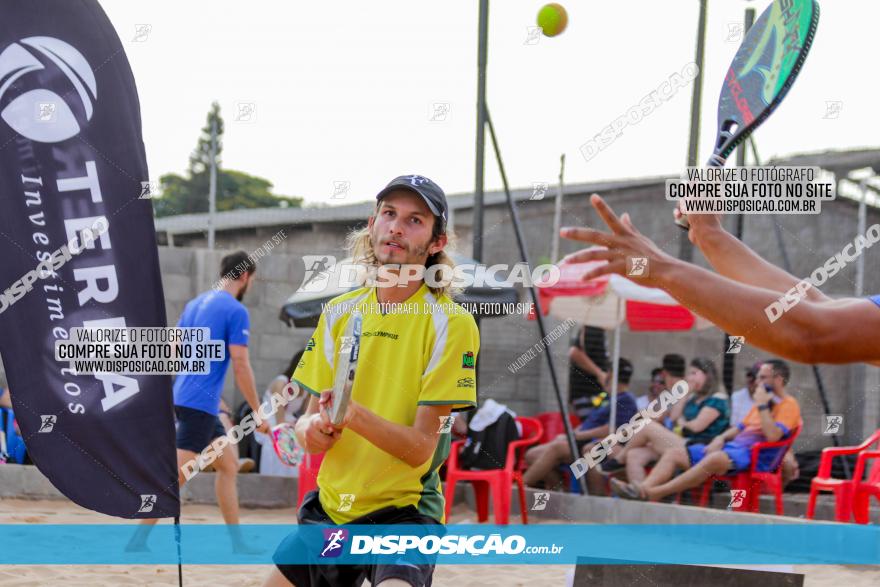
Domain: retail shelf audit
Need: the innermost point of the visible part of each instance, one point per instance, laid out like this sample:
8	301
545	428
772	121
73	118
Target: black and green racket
763	70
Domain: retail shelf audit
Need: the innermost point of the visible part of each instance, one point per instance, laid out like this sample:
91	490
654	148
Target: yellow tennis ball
552	19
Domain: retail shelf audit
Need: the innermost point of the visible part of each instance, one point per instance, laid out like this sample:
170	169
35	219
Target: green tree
235	189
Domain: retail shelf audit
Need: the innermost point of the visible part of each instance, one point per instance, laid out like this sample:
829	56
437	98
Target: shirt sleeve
788	416
626	409
718	404
598	417
450	377
315	370
239	327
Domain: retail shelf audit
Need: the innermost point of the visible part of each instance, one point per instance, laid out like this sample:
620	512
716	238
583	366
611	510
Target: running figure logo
47	112
637	266
148	190
445	424
317	267
346	500
539	190
737	498
833	424
541	500
47	423
735	344
333	540
147	503
833	109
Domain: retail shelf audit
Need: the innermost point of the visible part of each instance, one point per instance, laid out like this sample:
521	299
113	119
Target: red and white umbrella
610	301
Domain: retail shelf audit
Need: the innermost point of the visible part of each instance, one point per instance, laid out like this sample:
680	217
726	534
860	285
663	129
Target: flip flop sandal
627	490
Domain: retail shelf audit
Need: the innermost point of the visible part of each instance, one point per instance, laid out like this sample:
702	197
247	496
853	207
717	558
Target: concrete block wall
852	390
187	272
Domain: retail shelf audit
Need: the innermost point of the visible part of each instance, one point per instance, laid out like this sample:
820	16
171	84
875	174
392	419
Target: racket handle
715	160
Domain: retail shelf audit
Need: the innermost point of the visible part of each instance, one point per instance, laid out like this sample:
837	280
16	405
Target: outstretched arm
810	332
730	257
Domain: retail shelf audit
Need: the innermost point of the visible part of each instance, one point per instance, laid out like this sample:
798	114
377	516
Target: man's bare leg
790	469
550	458
534	453
138	542
638	441
638	461
225	486
654	435
716	463
665	469
660	437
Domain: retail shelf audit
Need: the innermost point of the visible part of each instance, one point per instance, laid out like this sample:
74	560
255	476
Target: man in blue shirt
544	459
197	397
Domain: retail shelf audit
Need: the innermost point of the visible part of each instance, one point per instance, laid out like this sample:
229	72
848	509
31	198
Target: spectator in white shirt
741	399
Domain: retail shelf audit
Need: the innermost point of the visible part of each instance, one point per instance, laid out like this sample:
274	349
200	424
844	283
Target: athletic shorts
740	456
311	512
196	429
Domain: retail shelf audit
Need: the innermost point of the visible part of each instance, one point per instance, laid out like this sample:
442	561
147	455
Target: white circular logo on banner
40	114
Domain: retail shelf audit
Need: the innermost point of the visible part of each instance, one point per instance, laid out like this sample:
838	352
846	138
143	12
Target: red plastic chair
754	481
843	489
864	490
553	425
499	481
308	475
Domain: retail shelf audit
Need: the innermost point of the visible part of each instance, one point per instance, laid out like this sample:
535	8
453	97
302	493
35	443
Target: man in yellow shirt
416	366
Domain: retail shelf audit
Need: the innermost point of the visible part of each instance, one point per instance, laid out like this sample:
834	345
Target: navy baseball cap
427	189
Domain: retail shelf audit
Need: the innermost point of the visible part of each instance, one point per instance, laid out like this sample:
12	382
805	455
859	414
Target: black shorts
196	429
311	512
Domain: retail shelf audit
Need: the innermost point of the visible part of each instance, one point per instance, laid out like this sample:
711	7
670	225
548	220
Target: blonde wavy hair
360	247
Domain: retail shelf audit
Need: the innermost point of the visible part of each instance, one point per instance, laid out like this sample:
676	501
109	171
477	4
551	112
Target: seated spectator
741	399
654	389
703	416
741	402
543	460
772	418
673	369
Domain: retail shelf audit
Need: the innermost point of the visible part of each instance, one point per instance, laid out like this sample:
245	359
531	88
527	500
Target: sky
361	92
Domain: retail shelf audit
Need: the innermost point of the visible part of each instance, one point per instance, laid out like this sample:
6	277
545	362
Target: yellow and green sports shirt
421	353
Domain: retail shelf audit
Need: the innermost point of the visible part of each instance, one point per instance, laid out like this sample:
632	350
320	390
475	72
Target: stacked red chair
497	483
843	489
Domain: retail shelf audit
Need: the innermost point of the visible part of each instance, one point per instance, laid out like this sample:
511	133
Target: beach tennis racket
346	364
763	70
285	444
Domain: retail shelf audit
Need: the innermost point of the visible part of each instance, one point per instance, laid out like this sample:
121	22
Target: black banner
72	158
